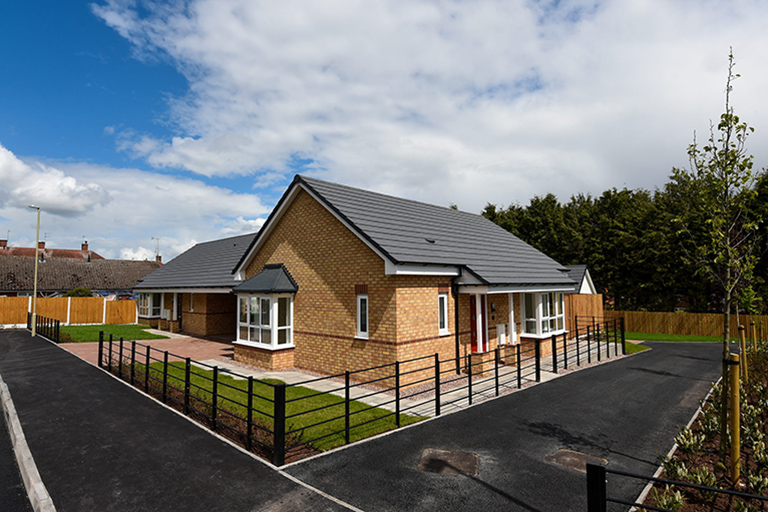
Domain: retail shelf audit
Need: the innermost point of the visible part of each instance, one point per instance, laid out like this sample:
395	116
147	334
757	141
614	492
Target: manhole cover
449	462
573	460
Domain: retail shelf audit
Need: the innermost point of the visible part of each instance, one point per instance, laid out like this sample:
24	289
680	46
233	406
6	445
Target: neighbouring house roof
206	265
17	274
275	278
580	275
409	232
47	254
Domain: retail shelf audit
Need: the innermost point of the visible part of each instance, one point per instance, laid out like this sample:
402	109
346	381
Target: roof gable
274	278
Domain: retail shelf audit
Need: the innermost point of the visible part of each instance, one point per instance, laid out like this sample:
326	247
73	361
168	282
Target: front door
478	343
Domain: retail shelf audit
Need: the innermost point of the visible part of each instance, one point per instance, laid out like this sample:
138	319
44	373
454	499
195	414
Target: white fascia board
183	290
491	290
267	229
392	269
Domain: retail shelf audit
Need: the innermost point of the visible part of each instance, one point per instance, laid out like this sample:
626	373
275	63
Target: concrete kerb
36	491
657	473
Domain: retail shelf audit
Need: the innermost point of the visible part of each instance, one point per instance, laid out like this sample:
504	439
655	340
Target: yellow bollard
743	351
735	417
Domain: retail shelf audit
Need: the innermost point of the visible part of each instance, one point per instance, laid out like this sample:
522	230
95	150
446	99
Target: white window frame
549	316
147	306
262	328
442	311
362	312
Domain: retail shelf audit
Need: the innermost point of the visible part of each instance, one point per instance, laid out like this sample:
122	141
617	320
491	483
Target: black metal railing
45	326
282	421
597	489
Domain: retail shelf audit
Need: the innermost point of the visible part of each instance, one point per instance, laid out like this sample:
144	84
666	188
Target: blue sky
130	119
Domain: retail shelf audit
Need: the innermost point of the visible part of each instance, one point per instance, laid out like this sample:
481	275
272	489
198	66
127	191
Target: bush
79	292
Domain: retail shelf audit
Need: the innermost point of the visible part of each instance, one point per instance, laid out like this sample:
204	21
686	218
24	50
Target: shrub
688	442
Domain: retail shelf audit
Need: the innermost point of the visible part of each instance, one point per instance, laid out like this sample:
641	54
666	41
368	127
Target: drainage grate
449	462
573	460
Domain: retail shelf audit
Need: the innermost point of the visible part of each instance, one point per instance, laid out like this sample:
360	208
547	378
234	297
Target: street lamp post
37	258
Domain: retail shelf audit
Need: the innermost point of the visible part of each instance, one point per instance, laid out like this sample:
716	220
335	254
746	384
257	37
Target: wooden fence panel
86	310
13	310
689	324
582	305
53	307
121	312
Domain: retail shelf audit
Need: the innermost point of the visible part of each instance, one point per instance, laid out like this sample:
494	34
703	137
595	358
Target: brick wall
211	314
267	359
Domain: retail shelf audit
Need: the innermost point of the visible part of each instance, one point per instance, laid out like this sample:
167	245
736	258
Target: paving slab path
626	412
100	445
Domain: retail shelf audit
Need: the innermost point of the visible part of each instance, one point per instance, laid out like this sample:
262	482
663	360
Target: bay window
265	321
543	313
150	305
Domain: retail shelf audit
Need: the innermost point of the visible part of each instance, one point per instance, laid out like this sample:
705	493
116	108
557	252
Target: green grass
233	392
88	333
642	336
633	348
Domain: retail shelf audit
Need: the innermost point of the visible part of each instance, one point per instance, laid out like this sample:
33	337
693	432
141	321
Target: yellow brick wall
268	359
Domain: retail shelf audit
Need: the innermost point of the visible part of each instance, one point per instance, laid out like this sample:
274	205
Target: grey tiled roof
577	273
275	278
206	265
418	233
17	273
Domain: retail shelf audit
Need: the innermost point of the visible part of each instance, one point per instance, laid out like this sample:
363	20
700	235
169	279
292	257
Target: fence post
120	359
278	454
187	382
469	379
101	348
397	393
214	396
538	360
615	337
576	323
623	337
133	361
165	377
589	346
597	339
565	350
578	349
554	353
58	324
29	321
346	407
496	369
109	362
754	335
437	385
249	415
596	492
519	360
146	370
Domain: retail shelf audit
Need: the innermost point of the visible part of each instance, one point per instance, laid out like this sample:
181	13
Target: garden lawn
88	333
633	348
318	418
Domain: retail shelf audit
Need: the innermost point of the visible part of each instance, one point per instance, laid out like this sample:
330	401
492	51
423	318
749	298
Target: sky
138	125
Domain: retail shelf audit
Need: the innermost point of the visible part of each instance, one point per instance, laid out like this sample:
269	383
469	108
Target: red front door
479	344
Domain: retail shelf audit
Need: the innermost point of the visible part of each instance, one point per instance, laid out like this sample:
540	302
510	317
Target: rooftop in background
206	265
17	274
29	252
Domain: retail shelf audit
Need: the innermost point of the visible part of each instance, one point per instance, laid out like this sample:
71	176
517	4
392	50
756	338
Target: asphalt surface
13	495
101	446
626	411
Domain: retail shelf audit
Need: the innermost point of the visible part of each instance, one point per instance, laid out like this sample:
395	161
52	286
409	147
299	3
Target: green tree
79	292
721	173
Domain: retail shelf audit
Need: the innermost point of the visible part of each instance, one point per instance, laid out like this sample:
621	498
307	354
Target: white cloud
449	101
141	205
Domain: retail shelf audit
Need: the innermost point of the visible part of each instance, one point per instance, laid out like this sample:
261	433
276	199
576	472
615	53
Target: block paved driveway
102	446
626	411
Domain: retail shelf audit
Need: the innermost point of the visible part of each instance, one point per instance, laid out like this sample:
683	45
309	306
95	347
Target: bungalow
340	278
193	292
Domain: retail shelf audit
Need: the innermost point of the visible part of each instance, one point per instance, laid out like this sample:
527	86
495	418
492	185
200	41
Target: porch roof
410	232
274	278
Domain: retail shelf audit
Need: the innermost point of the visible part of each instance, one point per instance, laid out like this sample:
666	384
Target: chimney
84	246
159	259
41	245
3	244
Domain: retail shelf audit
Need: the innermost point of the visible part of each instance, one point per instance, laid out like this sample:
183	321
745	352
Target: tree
78	292
722	176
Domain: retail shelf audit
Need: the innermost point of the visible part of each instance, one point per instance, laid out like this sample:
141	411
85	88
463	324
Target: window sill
442	334
262	345
364	338
542	336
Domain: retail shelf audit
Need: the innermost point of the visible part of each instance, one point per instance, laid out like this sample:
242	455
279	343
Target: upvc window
149	305
362	316
543	313
442	313
265	320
